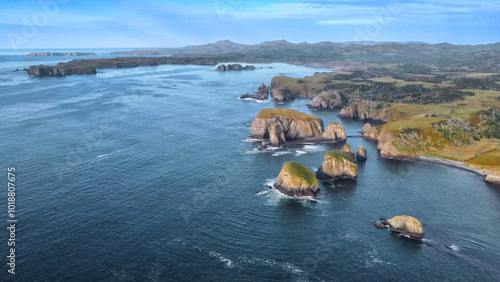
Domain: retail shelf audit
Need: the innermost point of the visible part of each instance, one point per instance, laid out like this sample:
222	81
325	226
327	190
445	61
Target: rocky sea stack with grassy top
338	164
297	180
296	125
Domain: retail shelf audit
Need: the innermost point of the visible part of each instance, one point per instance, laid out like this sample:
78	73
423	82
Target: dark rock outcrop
236	67
297	180
326	100
262	93
361	154
338	164
42	71
335	132
282	95
296	125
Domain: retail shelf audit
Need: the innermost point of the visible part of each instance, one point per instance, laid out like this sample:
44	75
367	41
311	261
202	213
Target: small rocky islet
403	224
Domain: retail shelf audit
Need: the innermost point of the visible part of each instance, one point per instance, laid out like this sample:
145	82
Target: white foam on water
288	267
453	247
227	262
299	152
108	155
311	148
250	140
281	153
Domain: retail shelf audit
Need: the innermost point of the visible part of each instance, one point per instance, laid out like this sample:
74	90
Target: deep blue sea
146	174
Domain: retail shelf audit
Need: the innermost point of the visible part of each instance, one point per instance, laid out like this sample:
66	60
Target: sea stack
404	224
361	154
296	125
338	164
335	132
297	180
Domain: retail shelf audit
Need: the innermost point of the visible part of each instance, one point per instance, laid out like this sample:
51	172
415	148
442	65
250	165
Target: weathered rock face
262	93
282	95
361	154
369	131
236	67
297	180
367	110
347	148
277	135
337	164
296	125
406	224
326	100
386	146
335	131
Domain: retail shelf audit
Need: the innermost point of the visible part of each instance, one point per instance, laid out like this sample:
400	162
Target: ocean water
146	174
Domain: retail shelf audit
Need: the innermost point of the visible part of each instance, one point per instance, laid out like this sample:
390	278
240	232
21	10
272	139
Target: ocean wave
227	262
108	155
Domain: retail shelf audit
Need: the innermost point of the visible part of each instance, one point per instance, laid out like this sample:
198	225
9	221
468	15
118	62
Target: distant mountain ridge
482	58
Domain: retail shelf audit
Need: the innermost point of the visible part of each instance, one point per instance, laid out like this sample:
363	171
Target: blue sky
154	23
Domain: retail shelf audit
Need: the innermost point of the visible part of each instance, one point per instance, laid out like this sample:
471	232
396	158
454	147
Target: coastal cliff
326	100
368	110
296	125
297	180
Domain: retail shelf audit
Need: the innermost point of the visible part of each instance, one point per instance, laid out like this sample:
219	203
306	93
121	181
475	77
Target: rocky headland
90	66
297	180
